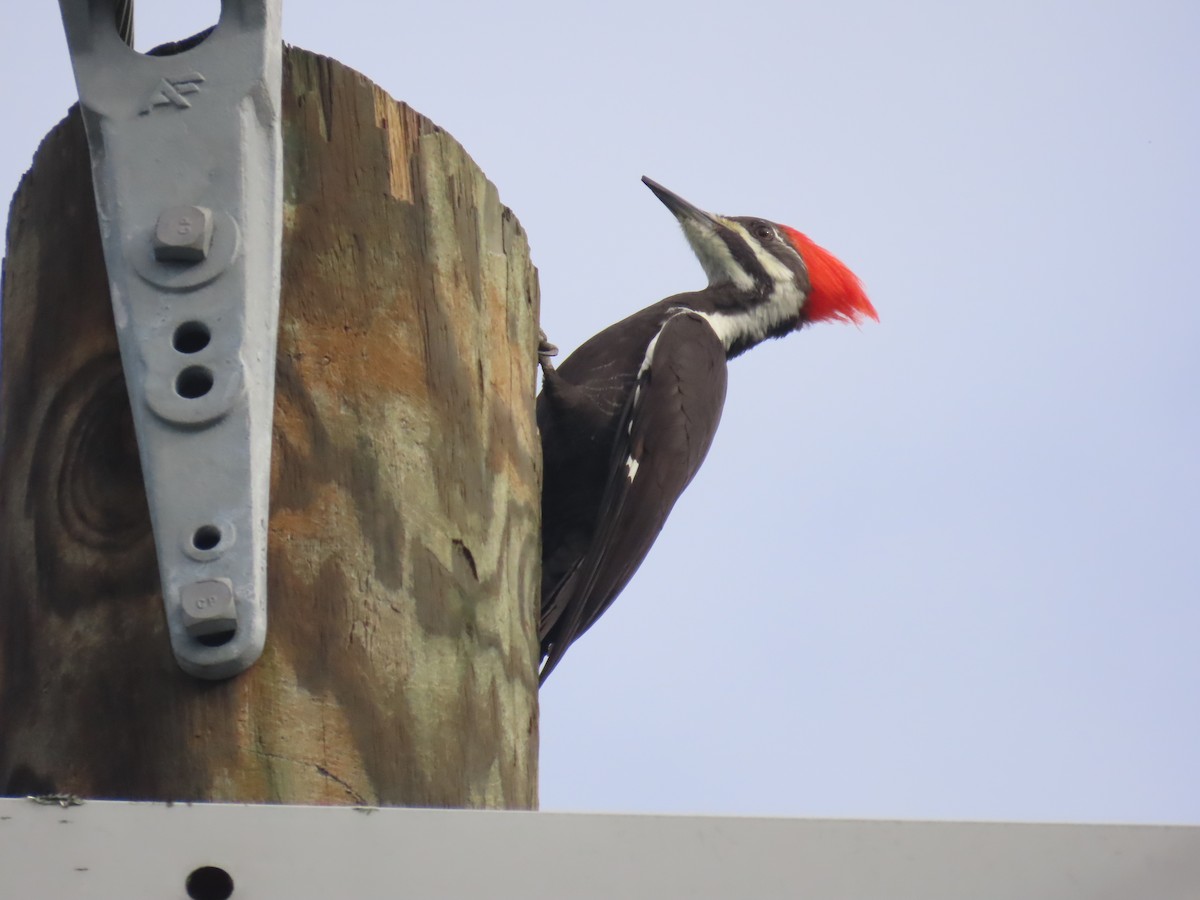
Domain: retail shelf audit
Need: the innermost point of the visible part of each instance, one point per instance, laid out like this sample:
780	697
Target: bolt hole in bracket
187	165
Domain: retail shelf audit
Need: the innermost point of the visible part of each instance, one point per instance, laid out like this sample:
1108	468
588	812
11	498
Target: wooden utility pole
400	666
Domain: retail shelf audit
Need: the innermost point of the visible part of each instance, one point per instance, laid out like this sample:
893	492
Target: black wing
662	438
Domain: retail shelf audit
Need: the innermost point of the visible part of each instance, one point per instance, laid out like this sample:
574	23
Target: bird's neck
744	318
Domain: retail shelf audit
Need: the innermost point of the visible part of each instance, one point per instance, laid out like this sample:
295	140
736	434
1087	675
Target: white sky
944	566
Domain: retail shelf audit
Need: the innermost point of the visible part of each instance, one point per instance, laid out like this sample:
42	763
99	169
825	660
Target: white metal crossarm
215	851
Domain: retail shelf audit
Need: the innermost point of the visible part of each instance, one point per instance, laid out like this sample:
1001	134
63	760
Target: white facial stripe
713	253
774	267
754	324
631	467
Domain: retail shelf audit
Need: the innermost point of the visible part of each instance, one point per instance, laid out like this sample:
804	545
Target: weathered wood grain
404	550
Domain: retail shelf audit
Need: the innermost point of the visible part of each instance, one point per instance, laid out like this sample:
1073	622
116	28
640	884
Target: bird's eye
764	232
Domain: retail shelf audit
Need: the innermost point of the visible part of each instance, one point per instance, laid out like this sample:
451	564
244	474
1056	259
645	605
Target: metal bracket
187	163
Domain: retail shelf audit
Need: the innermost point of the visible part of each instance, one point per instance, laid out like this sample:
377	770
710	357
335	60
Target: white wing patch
645	366
631	464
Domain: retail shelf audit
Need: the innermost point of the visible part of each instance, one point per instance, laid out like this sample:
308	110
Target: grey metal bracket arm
187	162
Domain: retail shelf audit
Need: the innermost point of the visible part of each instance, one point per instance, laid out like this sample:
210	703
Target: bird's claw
545	348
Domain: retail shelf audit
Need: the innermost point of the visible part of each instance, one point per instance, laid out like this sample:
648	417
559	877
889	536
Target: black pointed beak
680	208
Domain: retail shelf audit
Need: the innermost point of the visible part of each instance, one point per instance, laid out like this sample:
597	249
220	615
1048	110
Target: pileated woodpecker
628	417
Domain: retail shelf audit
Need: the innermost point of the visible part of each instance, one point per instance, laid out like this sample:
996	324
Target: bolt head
208	607
183	234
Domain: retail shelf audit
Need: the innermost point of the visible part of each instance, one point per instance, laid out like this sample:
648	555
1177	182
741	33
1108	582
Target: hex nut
208	607
183	234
